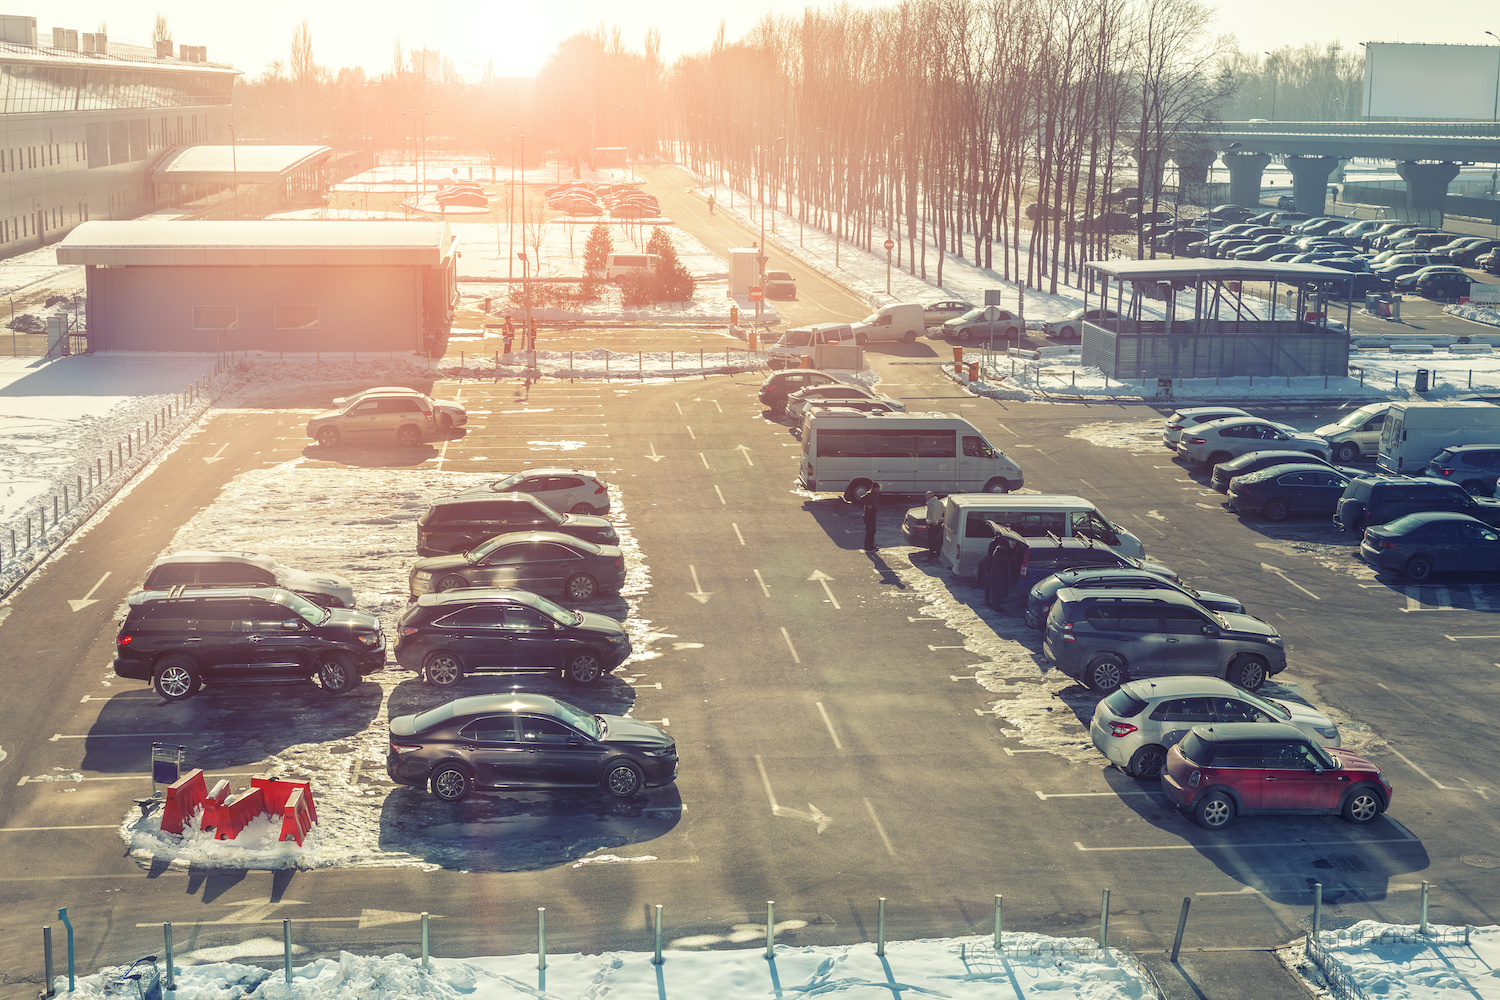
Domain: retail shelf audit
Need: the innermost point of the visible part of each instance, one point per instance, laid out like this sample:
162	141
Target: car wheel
1148	762
452	582
1275	509
408	436
338	674
451	782
580	587
445	423
1473	487
328	437
1105	673
176	678
1218	457
997	486
1346	452
1066	333
910	338
582	508
962	336
1419	569
583	667
1214	811
443	669
622	779
1362	806
1248	672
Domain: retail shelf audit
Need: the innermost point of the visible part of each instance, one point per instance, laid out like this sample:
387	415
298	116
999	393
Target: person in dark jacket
872	511
1001	566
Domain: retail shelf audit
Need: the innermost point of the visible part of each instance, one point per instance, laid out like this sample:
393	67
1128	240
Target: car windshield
591	725
558	613
1075	314
973	314
484	548
310	612
1403	525
872	318
1264	704
508	483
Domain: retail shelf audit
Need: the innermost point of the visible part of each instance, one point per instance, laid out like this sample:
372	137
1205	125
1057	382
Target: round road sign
756	293
890	244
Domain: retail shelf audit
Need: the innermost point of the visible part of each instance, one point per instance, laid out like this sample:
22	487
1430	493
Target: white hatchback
1220	440
1192	417
1136	725
570	491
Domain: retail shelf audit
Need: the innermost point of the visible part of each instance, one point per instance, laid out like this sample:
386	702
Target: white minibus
904	453
969	522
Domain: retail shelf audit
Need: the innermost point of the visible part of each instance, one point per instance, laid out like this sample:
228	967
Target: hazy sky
519	34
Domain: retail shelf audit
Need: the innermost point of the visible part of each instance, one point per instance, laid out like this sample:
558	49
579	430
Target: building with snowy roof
266	285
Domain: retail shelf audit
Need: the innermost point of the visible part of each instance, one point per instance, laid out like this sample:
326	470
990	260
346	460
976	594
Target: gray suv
1106	637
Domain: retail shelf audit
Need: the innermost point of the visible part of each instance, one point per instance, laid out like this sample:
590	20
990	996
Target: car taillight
1120	729
1067	633
408	630
404	747
619	562
1197	440
1445	471
123	640
600	490
1174	427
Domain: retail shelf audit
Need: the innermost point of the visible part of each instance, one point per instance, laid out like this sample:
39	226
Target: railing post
47	961
770	928
658	959
286	948
880	931
1181	926
1317	918
62	914
997	922
1422	927
166	932
1104	921
424	939
541	938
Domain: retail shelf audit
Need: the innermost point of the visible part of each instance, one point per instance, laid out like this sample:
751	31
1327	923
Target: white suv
1192	417
1134	726
1220	440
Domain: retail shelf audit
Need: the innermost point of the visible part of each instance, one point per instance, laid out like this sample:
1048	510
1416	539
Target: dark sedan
1039	603
447	636
1283	490
526	741
1443	285
1434	541
545	561
1254	461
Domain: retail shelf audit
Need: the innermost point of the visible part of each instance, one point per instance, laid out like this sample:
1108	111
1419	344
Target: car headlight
670	751
1327	732
368	638
619	640
1275	640
422	576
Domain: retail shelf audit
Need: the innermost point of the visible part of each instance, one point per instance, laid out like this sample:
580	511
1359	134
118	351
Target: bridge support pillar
1310	181
1426	188
1244	176
1192	175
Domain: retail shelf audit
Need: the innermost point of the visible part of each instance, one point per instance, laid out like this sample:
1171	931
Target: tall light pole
510	206
234	166
1495	114
1274	81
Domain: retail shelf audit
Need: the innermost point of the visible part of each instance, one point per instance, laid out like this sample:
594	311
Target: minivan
909	453
800	340
617	265
902	321
969	521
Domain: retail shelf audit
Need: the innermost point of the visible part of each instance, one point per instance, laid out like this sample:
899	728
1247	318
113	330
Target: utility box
744	270
57	333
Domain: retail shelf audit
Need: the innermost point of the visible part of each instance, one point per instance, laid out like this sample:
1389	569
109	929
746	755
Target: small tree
661	245
596	250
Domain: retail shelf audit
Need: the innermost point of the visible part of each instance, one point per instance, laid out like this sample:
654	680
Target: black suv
458	632
180	638
1050	554
1380	499
458	523
779	385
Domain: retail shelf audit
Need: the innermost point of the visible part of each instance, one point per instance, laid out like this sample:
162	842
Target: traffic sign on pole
890	244
756	293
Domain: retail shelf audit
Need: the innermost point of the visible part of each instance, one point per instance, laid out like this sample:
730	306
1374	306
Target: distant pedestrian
531	336
935	511
872	512
1002	566
508	336
710	203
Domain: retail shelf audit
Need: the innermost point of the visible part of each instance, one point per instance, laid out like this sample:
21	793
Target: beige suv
376	418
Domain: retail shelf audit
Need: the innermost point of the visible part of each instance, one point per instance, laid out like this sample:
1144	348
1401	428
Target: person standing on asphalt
935	510
872	511
508	336
1002	566
710	203
531	337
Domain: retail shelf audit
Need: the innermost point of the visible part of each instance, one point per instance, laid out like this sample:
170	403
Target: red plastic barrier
184	796
296	817
231	817
279	792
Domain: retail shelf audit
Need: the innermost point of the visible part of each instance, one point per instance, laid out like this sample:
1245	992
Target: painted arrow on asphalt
1267	567
746	452
654	456
698	593
211	459
89	597
813	815
821	577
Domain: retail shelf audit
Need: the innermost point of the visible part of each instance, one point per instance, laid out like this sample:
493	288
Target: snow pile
959	968
1398	962
1477	314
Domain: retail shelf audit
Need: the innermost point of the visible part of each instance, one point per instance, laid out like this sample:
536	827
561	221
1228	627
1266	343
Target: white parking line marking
690	433
704	460
936	648
737	534
787	636
1281	844
1011	753
1089	485
763	588
1008	430
679	408
880	829
1414	601
920	618
49	829
52	779
1248	890
829	723
1455	638
1044	796
1413	765
1268	568
721	495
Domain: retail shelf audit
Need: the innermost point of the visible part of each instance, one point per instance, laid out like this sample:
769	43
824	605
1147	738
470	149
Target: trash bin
1371	299
1395	307
1422	379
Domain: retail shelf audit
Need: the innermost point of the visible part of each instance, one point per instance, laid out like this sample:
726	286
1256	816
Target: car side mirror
1210	630
1318	769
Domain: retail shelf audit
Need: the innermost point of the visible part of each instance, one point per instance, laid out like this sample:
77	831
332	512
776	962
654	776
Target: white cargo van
1414	432
617	265
969	522
1356	434
903	321
799	341
904	453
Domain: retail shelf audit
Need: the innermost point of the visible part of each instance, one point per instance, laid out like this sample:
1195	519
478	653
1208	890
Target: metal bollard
424	939
541	938
1104	921
997	922
880	930
1422	926
1317	920
47	961
1181	926
658	959
286	948
55	517
770	928
166	930
62	914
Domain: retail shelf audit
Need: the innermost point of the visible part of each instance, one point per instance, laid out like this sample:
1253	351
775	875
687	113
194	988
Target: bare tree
161	33
304	69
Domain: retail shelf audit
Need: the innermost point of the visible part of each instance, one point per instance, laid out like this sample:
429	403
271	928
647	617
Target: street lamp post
1495	114
1274	80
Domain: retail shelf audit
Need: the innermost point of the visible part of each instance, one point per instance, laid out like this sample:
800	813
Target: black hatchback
458	523
526	741
448	635
181	638
1254	461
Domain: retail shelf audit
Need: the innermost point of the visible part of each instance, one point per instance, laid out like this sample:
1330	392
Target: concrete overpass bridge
1427	155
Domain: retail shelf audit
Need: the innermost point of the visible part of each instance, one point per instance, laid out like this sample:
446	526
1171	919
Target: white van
617	265
969	522
903	321
789	350
904	453
1414	432
1356	434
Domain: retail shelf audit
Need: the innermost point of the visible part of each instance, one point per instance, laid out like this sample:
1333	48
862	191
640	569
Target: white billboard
1431	81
